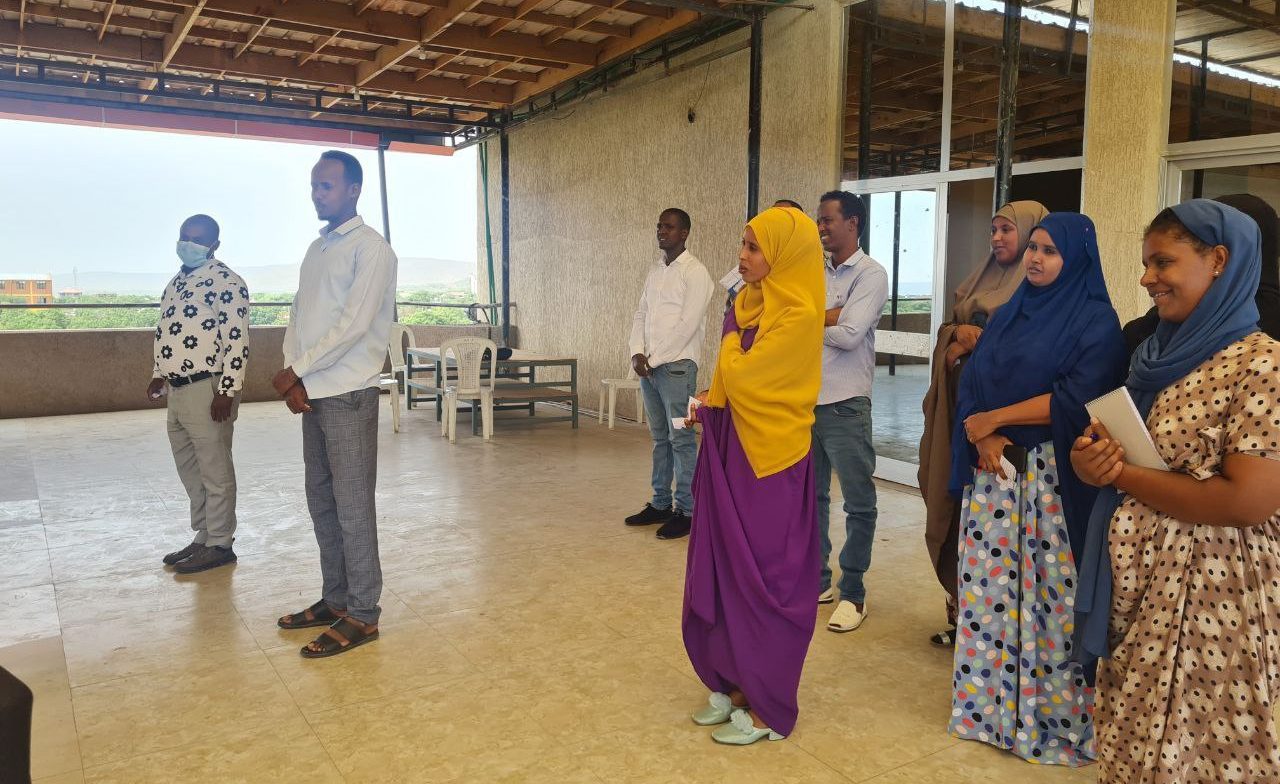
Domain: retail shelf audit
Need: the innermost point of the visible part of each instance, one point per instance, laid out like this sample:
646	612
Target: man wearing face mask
201	352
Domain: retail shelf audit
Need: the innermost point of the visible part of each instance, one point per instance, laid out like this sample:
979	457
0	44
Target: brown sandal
318	614
345	634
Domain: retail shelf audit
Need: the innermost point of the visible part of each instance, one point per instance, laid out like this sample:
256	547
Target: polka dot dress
1015	684
1189	693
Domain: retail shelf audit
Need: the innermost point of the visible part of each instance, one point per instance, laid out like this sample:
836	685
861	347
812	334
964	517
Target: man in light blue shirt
334	349
857	288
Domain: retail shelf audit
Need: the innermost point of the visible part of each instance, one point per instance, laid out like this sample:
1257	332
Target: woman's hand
990	451
980	425
692	418
967	335
954	352
1097	458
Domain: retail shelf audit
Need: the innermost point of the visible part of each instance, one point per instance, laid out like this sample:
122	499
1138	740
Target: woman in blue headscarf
1020	405
1180	578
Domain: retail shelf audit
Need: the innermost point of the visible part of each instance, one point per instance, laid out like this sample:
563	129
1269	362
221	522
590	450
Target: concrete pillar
1125	132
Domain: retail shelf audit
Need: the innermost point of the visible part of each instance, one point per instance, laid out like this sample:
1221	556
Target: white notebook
1117	411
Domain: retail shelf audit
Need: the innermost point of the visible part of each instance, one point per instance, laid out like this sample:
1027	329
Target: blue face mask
191	254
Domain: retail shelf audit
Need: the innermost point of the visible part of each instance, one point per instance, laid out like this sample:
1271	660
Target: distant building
35	288
70	293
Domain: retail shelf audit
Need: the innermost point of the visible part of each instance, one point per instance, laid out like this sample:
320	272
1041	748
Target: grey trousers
340	449
202	454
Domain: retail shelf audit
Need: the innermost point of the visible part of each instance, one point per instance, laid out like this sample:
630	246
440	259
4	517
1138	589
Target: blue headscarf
1225	314
1062	339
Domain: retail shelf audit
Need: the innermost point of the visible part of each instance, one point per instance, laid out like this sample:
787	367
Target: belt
182	382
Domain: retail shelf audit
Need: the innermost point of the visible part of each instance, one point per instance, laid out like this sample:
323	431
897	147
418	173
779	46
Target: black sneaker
208	558
183	554
649	516
675	528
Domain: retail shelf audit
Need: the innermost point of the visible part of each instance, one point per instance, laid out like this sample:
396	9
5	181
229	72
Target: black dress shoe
183	554
209	558
675	528
649	516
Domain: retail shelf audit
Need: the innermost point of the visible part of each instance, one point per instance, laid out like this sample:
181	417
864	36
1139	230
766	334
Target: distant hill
414	273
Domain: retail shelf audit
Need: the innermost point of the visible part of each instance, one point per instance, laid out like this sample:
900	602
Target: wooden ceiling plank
253	36
318	47
579	21
181	26
644	33
106	18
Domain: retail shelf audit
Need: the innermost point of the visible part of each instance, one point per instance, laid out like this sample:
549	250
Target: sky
106	199
915	239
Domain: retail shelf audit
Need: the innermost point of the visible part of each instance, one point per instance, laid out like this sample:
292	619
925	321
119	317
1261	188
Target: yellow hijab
773	388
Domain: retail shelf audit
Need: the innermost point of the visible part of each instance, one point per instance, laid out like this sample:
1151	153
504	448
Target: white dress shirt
671	321
204	326
859	287
341	318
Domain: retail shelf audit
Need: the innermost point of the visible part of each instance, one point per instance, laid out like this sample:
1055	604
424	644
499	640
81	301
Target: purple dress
751	583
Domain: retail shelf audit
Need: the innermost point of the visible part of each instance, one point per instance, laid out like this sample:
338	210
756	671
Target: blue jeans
842	440
666	395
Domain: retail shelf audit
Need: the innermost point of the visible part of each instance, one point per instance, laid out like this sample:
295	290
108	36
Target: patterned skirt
1015	685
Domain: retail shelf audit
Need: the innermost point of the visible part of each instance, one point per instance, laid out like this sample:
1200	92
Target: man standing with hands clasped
334	349
201	352
666	345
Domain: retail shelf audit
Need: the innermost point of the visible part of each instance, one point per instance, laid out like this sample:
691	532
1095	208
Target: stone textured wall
1126	127
587	184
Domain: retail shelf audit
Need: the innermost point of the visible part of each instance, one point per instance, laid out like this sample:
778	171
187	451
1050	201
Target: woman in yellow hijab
751	581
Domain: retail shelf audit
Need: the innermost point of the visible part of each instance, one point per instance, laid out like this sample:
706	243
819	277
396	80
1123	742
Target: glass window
1049	108
893	106
1261	180
1226	73
900	237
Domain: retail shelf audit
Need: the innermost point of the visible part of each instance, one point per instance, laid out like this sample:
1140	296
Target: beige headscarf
992	284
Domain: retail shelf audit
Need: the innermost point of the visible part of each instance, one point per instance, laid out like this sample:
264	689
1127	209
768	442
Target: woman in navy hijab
1020	405
1180	580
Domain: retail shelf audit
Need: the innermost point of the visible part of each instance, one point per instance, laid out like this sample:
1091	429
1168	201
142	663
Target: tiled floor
896	403
528	635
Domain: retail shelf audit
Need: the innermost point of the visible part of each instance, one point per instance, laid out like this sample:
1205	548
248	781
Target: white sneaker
846	618
827	597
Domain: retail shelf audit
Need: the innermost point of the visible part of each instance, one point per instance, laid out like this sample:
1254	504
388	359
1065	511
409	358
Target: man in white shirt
334	349
666	346
201	353
857	288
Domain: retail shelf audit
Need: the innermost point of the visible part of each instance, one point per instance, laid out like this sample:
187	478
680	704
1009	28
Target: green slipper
740	731
719	706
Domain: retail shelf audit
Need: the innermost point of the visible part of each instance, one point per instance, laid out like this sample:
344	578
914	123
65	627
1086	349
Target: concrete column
1125	132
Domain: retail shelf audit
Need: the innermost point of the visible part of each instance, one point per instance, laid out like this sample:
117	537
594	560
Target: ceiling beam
106	18
507	46
317	47
68	13
637	8
84	43
117	47
434	22
525	46
579	21
181	26
1195	39
518	13
643	33
253	36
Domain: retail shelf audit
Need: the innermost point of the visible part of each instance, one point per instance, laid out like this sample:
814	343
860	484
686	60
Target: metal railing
473	308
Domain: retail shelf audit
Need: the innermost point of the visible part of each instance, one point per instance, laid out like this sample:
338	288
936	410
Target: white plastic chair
469	354
399	370
609	390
